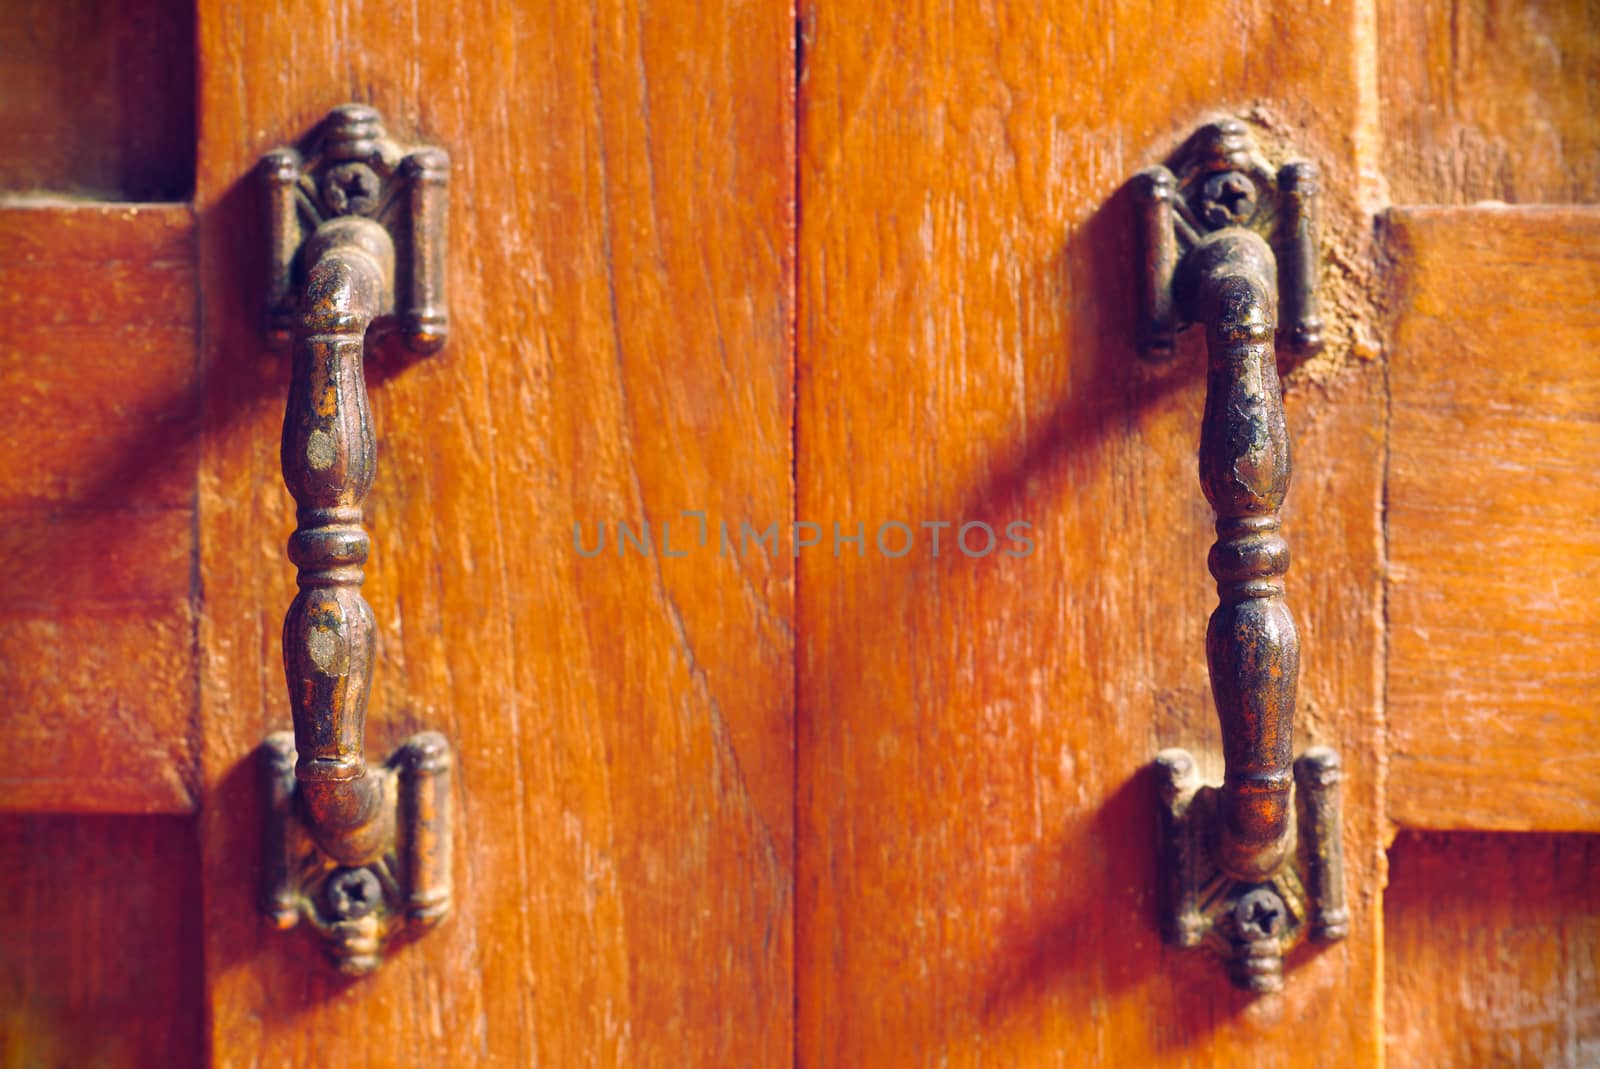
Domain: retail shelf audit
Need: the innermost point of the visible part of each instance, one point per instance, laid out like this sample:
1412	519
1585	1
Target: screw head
1228	199
1260	914
353	894
350	189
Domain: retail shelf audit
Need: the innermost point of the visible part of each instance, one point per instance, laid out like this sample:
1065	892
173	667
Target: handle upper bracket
351	167
1219	181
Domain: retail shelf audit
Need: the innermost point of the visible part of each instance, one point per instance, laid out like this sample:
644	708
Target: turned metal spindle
1252	647
329	460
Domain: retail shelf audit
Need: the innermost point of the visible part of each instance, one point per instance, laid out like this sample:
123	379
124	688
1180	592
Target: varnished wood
97	98
1492	951
1493	519
97	476
976	832
100	951
1490	100
620	264
976	871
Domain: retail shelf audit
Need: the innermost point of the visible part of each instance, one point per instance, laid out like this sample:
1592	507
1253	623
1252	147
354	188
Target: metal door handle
1235	866
357	850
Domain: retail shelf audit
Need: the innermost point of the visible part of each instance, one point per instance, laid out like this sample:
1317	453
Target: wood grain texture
1494	519
620	265
976	870
1490	100
1492	951
97	474
99	942
97	98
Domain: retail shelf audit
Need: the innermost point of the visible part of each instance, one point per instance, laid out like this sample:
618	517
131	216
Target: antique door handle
357	233
1236	867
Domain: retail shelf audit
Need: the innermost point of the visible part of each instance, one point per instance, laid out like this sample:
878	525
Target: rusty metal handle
1252	646
356	849
1207	260
329	459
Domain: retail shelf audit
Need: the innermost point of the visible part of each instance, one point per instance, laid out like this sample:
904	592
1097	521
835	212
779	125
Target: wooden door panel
97	474
1490	100
97	99
100	948
1492	951
620	270
1493	519
976	858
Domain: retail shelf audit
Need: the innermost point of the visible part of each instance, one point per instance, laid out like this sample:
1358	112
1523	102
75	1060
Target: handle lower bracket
357	906
356	250
1251	923
1254	866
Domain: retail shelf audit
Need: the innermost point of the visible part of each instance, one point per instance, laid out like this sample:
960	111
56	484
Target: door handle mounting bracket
356	231
1231	244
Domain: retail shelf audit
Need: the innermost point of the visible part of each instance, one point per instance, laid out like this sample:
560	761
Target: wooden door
767	803
621	271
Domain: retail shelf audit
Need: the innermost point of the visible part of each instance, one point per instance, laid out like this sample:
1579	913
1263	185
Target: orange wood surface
1490	100
1492	951
97	98
620	264
100	942
747	808
97	475
1493	519
976	880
